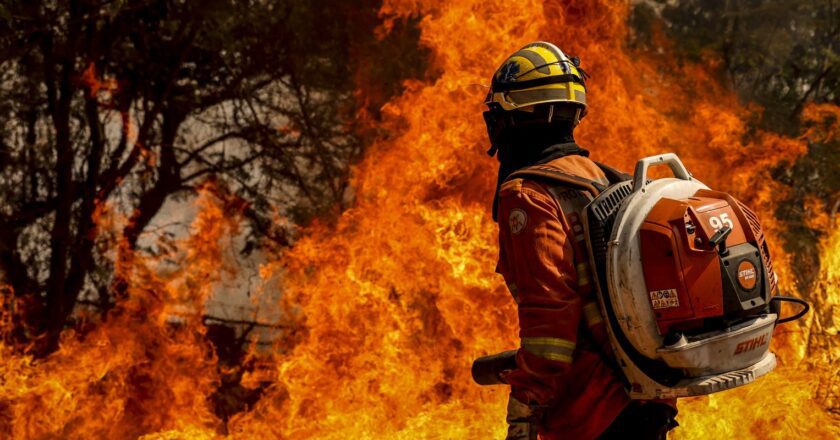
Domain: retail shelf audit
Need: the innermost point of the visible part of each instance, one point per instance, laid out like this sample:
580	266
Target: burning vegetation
385	305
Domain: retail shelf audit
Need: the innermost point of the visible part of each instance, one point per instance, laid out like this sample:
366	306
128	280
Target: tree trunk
169	181
59	105
82	253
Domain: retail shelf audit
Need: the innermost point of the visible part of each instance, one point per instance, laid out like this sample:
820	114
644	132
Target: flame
96	86
400	296
393	302
138	372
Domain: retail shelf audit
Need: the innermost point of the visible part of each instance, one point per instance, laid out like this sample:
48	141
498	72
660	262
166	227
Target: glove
521	421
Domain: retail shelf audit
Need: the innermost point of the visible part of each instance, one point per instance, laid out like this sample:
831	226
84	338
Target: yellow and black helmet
539	73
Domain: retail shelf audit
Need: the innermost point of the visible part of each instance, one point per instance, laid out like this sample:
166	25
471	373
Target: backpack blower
685	283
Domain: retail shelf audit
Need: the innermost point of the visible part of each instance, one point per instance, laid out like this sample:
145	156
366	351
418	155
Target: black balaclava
533	144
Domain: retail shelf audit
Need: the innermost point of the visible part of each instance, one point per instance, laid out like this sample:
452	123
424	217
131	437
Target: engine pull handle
719	240
670	159
805	308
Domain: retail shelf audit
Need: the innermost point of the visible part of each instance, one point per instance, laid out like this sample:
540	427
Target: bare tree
135	103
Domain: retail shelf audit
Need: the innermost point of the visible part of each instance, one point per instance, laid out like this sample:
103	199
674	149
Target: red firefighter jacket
561	360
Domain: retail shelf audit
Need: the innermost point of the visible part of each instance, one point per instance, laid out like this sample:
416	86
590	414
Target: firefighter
565	385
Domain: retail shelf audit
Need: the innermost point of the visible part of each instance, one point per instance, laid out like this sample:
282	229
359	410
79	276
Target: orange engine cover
682	269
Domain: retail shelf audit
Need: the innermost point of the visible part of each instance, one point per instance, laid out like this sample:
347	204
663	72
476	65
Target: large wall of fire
395	300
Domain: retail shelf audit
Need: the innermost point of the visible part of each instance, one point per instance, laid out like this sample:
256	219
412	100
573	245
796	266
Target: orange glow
96	85
400	296
136	373
396	299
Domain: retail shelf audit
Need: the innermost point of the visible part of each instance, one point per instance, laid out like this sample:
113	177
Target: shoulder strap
544	173
540	172
613	175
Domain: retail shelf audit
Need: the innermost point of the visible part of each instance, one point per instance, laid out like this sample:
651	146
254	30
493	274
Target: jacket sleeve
537	261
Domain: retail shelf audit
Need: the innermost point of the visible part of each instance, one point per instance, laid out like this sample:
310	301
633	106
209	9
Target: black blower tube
487	370
777	308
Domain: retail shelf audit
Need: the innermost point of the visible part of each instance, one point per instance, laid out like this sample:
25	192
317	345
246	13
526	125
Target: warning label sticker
663	299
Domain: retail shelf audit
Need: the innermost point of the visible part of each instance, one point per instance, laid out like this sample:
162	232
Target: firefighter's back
563	364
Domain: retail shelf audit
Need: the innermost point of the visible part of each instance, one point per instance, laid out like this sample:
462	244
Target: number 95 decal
721	220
